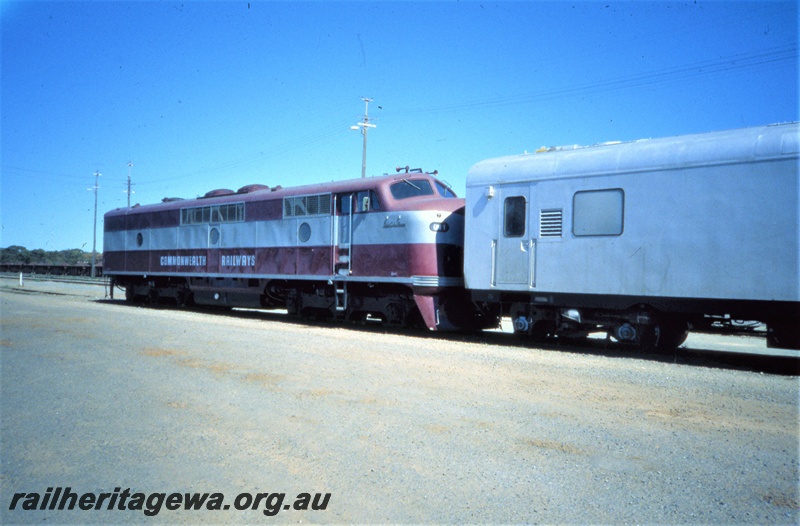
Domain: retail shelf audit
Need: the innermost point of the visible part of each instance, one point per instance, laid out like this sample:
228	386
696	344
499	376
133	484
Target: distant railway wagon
52	269
388	247
641	239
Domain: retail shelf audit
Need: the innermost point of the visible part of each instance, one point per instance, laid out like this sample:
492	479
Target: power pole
364	125
130	164
94	230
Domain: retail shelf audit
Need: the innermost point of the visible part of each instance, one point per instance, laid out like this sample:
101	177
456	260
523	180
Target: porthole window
213	236
304	232
139	239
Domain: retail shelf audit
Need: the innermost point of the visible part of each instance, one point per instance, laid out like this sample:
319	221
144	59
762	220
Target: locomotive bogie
685	226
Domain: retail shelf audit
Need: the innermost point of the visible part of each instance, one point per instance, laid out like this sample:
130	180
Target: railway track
81	280
715	347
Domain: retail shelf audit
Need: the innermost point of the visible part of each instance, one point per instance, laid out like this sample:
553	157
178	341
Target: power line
296	143
41	174
768	58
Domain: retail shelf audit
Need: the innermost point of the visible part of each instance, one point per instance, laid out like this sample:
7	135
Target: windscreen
411	188
419	188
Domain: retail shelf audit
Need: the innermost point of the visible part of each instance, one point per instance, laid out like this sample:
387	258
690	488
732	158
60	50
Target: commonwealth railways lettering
241	260
244	260
183	261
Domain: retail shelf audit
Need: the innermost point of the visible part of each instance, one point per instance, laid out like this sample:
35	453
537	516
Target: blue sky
205	95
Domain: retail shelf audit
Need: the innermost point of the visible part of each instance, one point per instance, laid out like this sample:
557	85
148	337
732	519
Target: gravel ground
398	427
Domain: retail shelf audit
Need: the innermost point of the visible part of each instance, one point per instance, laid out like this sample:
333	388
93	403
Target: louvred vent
550	223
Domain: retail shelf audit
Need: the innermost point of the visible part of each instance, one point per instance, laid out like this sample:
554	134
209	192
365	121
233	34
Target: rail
83	280
50	269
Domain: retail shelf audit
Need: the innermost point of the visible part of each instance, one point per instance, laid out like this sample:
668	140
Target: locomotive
389	248
639	240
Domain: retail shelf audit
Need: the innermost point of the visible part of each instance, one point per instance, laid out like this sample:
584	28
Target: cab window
367	201
406	188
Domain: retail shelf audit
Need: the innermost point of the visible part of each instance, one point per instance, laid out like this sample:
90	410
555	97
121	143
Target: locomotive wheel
185	298
152	297
293	303
395	313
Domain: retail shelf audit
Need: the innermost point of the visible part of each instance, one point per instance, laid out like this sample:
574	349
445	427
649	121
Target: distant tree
16	255
38	255
70	257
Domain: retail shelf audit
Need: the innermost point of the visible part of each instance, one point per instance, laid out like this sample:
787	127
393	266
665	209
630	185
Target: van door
513	250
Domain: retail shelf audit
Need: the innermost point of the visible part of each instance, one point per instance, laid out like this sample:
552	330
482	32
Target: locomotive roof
258	192
762	142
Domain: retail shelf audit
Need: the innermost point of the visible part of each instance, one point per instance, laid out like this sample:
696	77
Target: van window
514	212
598	212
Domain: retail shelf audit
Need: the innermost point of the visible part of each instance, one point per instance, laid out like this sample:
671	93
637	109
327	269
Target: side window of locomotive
445	191
411	188
598	212
229	213
307	205
514	216
367	201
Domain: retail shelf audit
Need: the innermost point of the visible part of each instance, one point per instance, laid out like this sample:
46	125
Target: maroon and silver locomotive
388	247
